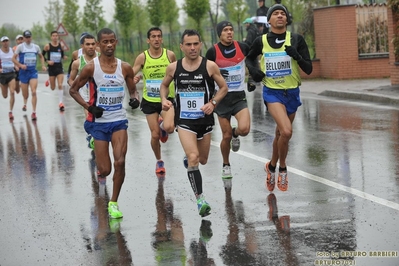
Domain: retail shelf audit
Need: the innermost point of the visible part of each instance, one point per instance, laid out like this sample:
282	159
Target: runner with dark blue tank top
194	77
54	57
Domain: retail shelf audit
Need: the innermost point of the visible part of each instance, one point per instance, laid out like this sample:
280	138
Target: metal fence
372	30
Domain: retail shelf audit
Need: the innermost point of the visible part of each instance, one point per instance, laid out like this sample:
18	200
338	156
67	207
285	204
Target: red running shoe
62	107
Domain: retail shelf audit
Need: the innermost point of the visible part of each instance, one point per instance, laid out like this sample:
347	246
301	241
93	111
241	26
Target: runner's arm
137	66
80	81
214	73
74	72
129	79
164	90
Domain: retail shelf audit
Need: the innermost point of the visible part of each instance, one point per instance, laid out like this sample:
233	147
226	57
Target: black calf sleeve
195	178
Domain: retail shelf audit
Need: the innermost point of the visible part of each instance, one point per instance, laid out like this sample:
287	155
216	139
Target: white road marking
324	181
353	191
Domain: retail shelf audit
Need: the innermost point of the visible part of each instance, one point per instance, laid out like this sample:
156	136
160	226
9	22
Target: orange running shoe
270	178
61	106
159	167
282	182
47	83
164	135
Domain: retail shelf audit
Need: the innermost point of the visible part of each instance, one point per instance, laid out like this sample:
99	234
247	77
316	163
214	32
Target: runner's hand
96	111
224	72
256	74
134	103
291	51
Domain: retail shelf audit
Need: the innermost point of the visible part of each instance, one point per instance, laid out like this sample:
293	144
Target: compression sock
195	178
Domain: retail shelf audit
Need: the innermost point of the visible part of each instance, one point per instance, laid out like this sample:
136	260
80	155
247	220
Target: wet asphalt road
342	205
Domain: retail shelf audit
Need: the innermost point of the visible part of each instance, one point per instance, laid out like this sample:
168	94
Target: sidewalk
372	90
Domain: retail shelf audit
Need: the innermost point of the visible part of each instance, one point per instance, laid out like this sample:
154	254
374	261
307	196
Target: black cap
274	8
221	25
27	33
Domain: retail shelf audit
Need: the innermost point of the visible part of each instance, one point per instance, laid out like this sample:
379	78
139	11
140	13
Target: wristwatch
213	102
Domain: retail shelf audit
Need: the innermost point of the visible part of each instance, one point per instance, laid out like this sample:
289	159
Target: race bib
277	64
190	103
30	59
153	87
234	79
55	57
7	66
111	99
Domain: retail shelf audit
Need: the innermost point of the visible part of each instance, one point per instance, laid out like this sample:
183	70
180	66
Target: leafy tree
39	32
252	7
124	15
238	12
53	15
93	16
10	30
140	23
197	9
155	10
170	14
213	15
71	20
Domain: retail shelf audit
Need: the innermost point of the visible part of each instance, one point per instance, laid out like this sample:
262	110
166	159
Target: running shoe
203	207
47	83
34	117
91	143
282	182
10	115
185	162
270	178
113	210
235	143
61	106
226	172
164	135
159	167
88	138
205	231
24	108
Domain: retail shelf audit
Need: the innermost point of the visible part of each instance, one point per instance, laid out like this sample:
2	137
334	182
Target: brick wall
394	68
337	50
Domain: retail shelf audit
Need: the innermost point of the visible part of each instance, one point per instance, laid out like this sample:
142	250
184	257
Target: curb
368	97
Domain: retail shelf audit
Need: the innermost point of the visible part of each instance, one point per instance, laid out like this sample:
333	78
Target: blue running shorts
104	131
26	75
289	98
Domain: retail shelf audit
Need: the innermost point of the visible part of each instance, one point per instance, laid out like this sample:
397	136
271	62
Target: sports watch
213	102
